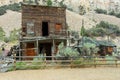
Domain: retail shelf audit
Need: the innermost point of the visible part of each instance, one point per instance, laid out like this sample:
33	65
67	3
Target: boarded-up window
58	27
110	49
30	28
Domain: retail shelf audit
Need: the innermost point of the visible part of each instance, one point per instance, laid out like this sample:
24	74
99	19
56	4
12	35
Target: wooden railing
59	33
41	62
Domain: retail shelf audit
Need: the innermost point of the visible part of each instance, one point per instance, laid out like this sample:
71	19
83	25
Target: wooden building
43	29
106	48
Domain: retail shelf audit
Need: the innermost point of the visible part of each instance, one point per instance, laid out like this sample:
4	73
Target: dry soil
64	74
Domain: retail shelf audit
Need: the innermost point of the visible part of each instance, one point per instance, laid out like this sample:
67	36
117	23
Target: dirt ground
64	74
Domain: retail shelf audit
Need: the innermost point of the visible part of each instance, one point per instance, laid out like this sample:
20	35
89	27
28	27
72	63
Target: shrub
67	52
102	29
2	10
112	13
49	3
14	35
101	11
13	7
6	39
2	34
62	4
118	15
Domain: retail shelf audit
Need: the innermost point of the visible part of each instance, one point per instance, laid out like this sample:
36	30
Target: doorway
45	50
45	30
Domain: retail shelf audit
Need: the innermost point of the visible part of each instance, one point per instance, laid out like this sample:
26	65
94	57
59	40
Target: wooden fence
39	62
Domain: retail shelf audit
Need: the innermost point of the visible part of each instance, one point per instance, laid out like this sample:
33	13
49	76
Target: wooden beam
37	47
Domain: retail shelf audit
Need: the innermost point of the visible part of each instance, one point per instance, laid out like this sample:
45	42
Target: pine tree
82	29
49	2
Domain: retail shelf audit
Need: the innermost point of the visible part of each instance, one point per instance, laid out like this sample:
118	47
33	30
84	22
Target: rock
5	64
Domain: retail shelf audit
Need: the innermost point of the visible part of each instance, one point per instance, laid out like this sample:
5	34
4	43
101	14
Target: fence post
71	62
95	63
45	61
14	61
116	63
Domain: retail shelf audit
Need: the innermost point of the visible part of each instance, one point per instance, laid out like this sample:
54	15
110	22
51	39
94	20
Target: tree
82	29
49	2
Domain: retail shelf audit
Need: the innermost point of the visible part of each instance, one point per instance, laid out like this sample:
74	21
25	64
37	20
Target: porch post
37	47
20	56
53	49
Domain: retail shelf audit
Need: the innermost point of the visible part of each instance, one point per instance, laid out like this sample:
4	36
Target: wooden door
30	51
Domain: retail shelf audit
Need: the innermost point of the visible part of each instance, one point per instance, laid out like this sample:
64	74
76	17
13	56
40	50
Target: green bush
13	7
118	15
49	3
6	39
2	34
112	13
67	52
14	34
103	29
62	4
2	10
101	11
31	65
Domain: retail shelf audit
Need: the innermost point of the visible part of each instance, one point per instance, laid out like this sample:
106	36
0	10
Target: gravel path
64	74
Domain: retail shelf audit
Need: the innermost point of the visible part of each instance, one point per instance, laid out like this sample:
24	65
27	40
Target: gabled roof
106	43
88	40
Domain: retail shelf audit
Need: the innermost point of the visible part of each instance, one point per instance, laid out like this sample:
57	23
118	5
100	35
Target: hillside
74	4
6	2
9	21
12	20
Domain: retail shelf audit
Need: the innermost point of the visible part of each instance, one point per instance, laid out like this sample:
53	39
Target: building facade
43	29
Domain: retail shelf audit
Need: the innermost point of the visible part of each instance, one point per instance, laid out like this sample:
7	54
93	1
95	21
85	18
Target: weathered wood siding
34	15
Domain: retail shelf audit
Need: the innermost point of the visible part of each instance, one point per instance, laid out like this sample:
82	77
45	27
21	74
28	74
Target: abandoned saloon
43	29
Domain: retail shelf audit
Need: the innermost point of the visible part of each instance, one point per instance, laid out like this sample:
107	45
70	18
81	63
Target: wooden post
53	50
37	47
19	52
14	61
71	62
116	63
95	63
45	61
